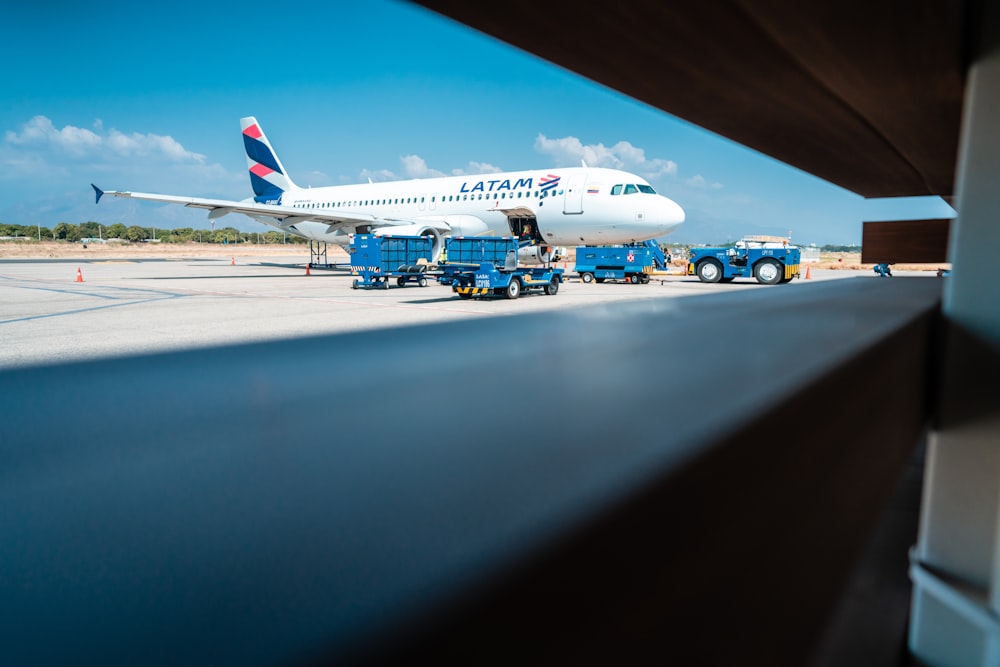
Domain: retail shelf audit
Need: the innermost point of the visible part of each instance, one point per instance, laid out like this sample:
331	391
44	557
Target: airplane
546	208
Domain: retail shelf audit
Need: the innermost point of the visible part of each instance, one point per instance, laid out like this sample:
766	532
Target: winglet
98	192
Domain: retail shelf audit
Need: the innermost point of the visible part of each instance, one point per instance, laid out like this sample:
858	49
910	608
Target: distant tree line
65	231
840	248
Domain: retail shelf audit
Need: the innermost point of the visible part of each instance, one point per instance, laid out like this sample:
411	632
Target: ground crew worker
883	270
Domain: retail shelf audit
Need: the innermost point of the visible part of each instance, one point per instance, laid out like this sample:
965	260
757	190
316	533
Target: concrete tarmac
128	307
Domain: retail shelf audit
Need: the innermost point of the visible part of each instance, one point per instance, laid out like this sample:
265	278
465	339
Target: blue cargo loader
485	267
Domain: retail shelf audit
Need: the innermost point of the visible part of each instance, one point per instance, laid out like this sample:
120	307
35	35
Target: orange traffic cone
233	262
807	272
307	268
79	275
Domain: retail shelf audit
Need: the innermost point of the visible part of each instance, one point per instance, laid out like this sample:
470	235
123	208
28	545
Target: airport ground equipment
883	270
633	263
379	260
486	267
660	261
465	254
769	259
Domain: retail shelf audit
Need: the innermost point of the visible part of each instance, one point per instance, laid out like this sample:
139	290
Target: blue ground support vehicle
633	262
769	259
380	259
463	255
485	267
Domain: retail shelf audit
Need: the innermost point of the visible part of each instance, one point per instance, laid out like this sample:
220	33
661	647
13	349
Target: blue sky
147	97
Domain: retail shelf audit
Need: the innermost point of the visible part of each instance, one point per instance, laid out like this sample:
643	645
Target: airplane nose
674	212
669	214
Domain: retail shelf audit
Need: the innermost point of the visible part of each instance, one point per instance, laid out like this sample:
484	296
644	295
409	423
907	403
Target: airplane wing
284	216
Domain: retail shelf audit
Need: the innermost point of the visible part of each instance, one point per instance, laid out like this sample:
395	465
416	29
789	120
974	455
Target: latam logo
546	183
497	185
549	182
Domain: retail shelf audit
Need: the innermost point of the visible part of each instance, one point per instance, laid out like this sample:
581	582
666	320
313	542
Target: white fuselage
570	206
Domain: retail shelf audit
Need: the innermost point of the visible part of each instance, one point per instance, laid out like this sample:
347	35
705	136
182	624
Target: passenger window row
537	194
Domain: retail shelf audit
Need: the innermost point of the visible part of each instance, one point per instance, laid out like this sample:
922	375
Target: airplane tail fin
267	175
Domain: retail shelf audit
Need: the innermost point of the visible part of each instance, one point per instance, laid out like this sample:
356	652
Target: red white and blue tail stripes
267	176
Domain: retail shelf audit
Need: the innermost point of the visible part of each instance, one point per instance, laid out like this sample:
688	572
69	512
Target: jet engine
437	242
539	254
462	225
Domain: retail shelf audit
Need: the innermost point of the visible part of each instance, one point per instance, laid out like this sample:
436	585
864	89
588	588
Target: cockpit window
616	189
646	189
631	189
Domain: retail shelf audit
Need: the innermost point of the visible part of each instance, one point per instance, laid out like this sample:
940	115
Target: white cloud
570	151
415	166
476	168
312	179
698	181
378	175
40	135
150	145
41	162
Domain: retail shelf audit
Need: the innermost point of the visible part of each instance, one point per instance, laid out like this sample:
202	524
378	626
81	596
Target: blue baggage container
378	260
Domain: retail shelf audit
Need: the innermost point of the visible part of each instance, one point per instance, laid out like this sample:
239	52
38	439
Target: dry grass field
852	260
65	250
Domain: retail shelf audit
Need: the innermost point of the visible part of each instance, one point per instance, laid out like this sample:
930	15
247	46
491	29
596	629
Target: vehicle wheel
768	272
401	281
709	271
587	277
645	279
422	282
552	288
385	284
634	279
354	285
513	288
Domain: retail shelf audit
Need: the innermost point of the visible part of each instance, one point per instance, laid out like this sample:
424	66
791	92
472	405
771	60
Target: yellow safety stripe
475	291
791	270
